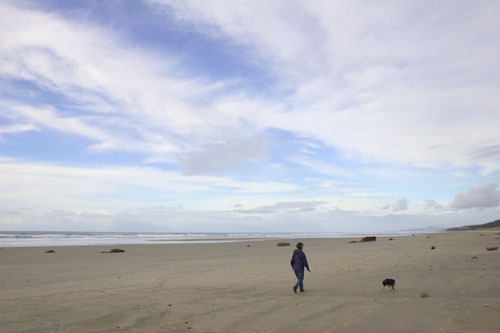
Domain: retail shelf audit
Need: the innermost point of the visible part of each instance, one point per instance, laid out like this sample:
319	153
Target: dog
389	283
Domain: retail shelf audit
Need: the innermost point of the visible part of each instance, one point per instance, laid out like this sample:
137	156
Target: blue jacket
299	261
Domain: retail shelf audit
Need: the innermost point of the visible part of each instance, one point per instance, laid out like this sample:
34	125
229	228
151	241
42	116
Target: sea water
65	238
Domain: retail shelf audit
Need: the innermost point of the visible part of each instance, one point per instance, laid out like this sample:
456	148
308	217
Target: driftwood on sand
114	251
365	239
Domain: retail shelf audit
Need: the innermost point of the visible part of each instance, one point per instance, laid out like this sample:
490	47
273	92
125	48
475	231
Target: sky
249	116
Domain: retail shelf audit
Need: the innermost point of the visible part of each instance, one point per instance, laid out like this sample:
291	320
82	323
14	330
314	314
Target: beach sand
247	287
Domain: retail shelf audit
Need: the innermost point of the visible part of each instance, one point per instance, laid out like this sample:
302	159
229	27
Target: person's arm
306	264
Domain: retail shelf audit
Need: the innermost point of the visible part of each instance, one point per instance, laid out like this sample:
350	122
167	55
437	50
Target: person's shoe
302	290
294	289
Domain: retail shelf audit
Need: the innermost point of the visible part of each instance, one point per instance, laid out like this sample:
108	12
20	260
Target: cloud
365	81
229	153
486	195
432	204
17	128
276	105
489	154
112	187
48	117
122	97
284	207
399	205
342	74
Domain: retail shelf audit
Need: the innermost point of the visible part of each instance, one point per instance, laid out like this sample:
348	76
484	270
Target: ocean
51	238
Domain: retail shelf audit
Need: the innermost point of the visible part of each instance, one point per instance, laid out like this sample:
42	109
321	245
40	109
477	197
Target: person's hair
299	244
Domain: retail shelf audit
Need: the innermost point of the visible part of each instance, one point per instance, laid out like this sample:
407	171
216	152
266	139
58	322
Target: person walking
299	264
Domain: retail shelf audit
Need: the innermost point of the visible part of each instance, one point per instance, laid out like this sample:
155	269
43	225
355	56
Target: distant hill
494	224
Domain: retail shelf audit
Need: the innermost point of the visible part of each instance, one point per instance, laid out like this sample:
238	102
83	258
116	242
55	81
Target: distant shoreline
43	238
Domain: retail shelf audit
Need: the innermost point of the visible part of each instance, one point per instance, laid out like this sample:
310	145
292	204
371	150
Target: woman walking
299	263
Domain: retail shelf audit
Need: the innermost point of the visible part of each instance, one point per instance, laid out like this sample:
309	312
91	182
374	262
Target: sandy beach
247	287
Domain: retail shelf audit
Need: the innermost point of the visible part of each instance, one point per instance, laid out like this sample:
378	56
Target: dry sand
234	287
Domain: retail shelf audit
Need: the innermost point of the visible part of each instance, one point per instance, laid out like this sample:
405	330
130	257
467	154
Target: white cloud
360	79
134	98
126	198
432	204
73	187
382	96
486	195
400	204
16	128
284	207
397	83
47	117
229	153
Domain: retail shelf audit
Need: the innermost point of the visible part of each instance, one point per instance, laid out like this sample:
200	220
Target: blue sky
164	115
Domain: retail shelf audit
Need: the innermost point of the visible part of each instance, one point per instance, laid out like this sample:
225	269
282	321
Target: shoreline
246	286
41	239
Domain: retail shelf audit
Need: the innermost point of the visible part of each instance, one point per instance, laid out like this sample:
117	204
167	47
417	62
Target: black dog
389	283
